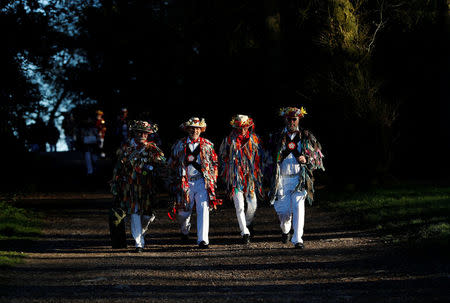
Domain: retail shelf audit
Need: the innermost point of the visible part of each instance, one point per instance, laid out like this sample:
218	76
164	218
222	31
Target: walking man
240	156
134	178
101	128
90	141
194	166
296	154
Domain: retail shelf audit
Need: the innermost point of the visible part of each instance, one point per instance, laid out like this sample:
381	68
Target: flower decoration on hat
241	121
143	126
194	122
292	112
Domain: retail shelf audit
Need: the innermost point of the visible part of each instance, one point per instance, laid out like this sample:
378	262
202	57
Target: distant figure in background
52	135
37	136
90	143
122	126
69	127
241	158
101	128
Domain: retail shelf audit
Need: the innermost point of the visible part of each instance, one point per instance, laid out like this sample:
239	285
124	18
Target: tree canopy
366	70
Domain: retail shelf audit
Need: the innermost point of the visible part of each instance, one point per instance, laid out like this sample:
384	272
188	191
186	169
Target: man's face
194	132
243	131
292	123
141	137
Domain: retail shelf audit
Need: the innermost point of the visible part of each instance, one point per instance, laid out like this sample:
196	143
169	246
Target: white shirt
191	170
290	165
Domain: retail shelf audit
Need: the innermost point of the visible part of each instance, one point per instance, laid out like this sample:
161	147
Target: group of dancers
193	167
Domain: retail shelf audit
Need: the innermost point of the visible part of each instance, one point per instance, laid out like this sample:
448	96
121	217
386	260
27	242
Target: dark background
373	77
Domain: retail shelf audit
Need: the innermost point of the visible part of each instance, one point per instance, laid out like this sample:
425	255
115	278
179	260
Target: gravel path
73	262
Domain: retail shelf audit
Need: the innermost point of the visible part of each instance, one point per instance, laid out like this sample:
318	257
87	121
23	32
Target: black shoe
299	245
245	239
203	245
184	239
285	238
139	249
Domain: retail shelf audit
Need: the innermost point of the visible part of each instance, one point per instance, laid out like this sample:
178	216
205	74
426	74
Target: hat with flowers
143	126
241	121
292	112
194	122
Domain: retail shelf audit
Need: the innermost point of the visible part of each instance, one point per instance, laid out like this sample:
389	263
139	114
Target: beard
292	128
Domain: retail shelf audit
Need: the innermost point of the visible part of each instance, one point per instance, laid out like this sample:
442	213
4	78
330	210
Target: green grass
10	258
419	215
15	224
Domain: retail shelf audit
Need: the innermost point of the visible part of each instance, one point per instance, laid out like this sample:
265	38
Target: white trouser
290	207
244	219
137	230
199	196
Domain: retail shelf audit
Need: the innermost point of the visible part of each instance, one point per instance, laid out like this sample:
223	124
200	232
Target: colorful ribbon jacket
135	176
241	160
209	169
310	148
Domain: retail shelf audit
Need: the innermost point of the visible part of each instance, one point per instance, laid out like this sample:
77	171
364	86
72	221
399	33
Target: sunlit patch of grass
11	258
420	214
16	224
434	235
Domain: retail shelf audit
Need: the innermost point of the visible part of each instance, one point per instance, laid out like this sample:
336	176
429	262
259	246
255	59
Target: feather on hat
292	112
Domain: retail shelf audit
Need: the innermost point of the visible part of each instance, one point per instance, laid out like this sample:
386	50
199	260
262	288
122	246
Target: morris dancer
297	154
194	165
134	178
240	156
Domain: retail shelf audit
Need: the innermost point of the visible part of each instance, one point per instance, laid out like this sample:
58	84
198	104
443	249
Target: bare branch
379	26
62	96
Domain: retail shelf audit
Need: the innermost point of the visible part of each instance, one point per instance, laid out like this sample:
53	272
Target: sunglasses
291	119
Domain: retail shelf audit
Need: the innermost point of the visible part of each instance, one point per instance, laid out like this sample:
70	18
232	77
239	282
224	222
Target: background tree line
372	74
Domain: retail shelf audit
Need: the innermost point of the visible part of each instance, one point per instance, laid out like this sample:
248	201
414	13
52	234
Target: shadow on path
73	262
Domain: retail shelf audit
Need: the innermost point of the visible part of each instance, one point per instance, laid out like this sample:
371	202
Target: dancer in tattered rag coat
194	168
296	154
134	184
240	156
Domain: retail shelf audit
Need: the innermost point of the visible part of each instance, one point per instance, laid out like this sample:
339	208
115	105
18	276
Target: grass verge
16	224
419	216
10	258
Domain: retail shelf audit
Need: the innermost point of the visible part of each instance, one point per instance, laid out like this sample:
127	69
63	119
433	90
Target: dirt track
73	262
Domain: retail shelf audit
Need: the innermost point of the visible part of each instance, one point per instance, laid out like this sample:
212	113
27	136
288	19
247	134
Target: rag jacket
135	176
310	149
179	180
241	161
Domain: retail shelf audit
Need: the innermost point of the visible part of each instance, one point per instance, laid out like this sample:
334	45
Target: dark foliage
372	75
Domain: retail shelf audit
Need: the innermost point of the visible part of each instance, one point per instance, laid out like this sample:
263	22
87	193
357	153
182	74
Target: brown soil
73	262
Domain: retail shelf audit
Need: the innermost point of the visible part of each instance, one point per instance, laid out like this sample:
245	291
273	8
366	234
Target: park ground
72	260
